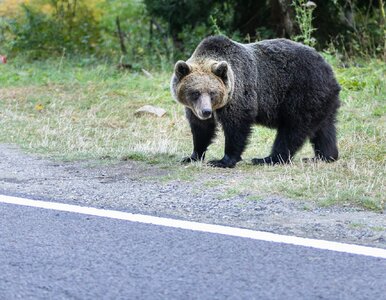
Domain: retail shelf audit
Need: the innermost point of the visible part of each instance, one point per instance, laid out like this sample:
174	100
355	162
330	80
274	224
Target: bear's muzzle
203	107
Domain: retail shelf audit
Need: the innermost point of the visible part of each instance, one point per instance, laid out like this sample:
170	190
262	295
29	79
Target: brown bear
276	83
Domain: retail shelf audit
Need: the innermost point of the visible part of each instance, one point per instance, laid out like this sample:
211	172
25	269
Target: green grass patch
71	110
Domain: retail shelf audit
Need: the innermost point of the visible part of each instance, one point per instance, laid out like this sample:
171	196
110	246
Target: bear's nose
206	113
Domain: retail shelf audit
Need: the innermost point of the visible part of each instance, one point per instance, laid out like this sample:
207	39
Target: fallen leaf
39	107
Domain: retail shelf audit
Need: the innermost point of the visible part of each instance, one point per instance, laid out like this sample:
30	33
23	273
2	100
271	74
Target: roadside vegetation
85	110
78	70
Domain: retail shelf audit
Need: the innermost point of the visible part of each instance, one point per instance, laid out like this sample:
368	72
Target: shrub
66	26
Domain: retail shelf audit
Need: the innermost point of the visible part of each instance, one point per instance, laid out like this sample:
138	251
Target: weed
378	228
230	193
303	15
356	225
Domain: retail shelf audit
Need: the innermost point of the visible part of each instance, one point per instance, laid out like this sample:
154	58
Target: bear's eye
195	95
212	94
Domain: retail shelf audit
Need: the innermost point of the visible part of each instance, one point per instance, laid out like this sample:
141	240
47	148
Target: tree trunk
282	17
121	36
249	15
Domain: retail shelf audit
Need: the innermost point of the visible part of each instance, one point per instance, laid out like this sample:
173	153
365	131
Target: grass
70	110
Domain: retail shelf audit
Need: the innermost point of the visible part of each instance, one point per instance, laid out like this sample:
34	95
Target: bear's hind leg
287	142
324	142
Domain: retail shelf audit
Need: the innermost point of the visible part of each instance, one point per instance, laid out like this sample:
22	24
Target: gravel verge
141	188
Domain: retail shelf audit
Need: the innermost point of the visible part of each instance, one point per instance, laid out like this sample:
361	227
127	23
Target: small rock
147	73
152	110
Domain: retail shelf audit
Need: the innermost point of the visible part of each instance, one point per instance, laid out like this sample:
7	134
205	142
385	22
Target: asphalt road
47	254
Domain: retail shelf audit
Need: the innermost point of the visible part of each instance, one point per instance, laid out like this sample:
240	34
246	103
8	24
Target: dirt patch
152	189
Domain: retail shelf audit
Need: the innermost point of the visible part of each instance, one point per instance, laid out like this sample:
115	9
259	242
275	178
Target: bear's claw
225	162
271	160
192	158
317	159
262	161
188	160
220	164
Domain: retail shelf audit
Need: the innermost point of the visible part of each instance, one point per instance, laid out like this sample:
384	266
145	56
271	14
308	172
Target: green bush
146	42
70	29
154	34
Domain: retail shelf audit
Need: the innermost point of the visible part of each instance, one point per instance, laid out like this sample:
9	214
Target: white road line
202	227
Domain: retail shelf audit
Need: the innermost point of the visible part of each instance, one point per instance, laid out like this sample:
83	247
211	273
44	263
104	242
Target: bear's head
202	86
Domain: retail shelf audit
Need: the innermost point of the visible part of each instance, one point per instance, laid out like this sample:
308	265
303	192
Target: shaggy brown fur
276	83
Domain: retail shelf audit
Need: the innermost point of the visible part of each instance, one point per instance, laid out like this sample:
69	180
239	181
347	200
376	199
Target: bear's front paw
194	157
271	160
262	161
188	160
225	162
317	159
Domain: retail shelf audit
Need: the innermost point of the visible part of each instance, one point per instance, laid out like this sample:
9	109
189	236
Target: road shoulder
151	189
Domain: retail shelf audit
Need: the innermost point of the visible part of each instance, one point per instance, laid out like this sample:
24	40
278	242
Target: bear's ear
181	69
221	70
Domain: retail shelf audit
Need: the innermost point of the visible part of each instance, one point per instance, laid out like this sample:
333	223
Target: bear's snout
206	113
204	107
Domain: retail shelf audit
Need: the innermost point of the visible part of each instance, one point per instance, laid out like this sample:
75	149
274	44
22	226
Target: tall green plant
304	16
363	30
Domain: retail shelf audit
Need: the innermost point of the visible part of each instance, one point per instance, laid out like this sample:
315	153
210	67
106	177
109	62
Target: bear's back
295	63
286	51
219	48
